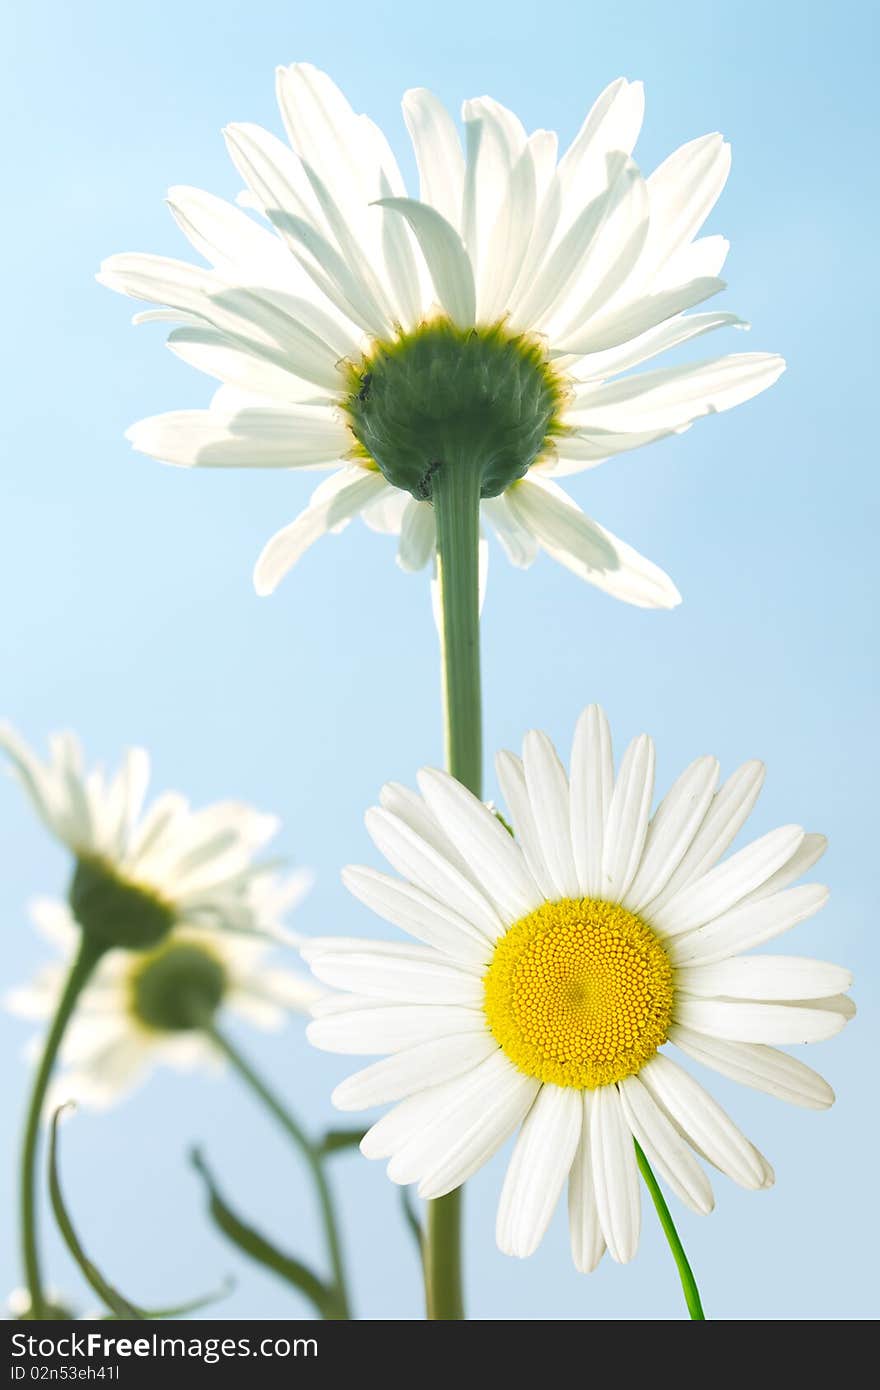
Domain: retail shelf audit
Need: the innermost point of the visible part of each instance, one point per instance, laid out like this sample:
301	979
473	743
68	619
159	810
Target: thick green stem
84	962
456	494
685	1273
308	1150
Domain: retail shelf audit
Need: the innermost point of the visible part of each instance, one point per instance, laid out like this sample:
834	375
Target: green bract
177	987
115	912
428	396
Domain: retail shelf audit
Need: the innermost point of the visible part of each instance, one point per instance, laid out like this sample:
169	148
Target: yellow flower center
579	993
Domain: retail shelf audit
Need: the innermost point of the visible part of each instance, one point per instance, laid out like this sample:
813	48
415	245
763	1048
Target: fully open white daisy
499	315
553	967
141	868
136	1010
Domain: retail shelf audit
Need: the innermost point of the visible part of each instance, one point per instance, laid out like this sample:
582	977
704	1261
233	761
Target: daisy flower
141	868
496	316
136	1010
555	964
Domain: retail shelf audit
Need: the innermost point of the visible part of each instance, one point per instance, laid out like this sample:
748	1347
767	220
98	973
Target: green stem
309	1151
456	495
685	1273
84	962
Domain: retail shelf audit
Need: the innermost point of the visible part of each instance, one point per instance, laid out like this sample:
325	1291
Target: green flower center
177	987
114	911
441	393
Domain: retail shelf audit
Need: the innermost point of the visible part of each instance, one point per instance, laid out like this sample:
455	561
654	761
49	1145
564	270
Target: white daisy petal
683	191
445	255
519	544
752	1064
764	977
664	1148
672	830
273	437
418	536
416	912
404	1073
592	786
728	883
665	336
702	1121
416	859
357	487
539	1166
728	812
548	791
211	351
587	1240
512	778
669	397
382	970
747	1021
615	1175
751	923
807	854
438	152
480	838
374	1026
626	824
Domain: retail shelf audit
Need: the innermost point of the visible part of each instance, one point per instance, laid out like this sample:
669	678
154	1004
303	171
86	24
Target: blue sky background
128	611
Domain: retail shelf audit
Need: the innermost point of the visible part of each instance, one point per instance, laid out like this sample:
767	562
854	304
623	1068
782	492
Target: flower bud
114	911
178	987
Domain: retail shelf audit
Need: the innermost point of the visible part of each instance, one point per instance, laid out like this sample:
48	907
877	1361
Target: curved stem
685	1273
307	1149
456	496
84	962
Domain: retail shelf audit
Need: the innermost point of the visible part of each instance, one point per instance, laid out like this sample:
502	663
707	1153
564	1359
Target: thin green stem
456	495
84	962
309	1151
685	1273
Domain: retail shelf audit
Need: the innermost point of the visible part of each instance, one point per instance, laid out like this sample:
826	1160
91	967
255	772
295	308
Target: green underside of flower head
443	393
178	987
114	911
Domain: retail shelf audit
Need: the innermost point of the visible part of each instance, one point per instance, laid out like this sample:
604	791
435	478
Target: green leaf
192	1306
254	1244
114	1300
335	1140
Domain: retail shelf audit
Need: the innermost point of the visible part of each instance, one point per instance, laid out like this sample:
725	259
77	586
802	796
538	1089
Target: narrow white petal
762	1068
728	883
446	258
418	913
728	812
620	325
808	853
369	1027
702	1121
419	861
273	437
395	973
662	338
592	786
479	1112
585	1230
519	544
211	351
626	824
749	924
615	1175
764	977
480	838
357	487
664	1148
548	791
418	536
512	779
539	1166
672	830
747	1021
587	549
669	397
683	190
438	152
430	1063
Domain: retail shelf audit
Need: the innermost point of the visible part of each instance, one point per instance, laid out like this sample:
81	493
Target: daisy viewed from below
140	868
553	966
138	1009
492	321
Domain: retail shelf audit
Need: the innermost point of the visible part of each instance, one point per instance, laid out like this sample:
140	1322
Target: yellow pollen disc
579	993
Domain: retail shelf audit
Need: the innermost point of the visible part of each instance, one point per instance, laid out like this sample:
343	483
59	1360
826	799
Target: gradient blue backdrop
129	613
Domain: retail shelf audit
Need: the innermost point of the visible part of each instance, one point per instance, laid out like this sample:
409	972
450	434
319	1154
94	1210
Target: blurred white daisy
140	868
136	1010
370	332
553	967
